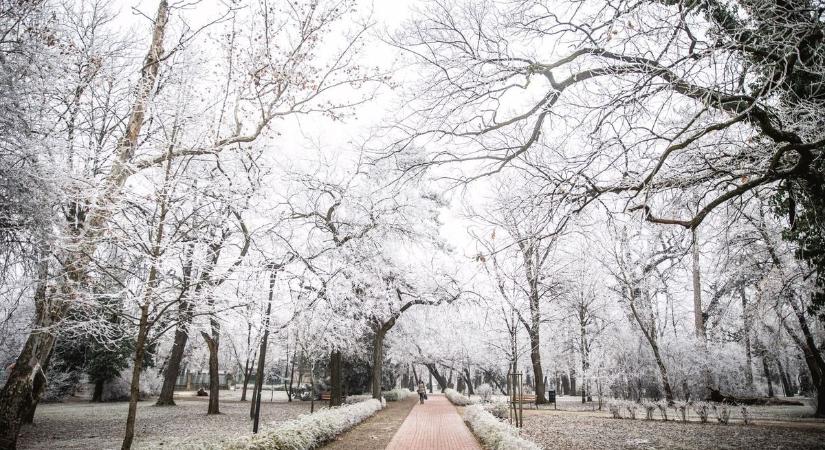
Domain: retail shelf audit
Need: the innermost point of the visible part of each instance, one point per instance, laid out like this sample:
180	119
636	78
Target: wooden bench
525	399
327	396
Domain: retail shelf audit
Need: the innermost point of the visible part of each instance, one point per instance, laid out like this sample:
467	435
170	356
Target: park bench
525	399
326	396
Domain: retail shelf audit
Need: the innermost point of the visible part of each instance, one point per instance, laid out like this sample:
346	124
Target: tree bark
247	371
20	389
746	326
767	370
214	380
170	375
650	336
378	361
140	350
336	379
97	396
531	268
783	377
247	374
468	379
439	378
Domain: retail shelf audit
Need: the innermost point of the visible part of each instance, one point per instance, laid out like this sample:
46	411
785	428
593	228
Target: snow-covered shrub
457	398
309	431
702	410
650	408
59	385
485	391
631	408
722	412
682	407
663	406
151	381
498	409
615	410
118	389
493	433
396	394
353	399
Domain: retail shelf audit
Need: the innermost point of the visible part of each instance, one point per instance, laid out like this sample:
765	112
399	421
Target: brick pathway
435	425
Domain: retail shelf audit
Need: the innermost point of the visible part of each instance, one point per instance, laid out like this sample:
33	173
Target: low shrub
353	399
650	408
702	409
722	413
485	391
309	431
631	408
396	394
493	433
682	408
615	410
498	409
663	406
457	398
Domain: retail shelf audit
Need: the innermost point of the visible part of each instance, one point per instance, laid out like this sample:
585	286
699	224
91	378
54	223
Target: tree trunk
377	361
439	378
767	370
654	346
292	375
469	381
573	381
746	326
97	396
247	374
38	386
21	389
698	317
27	381
214	380
535	359
336	379
170	375
783	378
247	371
140	349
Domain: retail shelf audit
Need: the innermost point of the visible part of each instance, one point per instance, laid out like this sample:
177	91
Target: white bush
485	391
310	431
457	398
396	394
500	410
119	388
353	399
493	433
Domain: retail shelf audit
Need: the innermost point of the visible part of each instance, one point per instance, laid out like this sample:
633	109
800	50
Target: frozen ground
79	424
574	425
570	430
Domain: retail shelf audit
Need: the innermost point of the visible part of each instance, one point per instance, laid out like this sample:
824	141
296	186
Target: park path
435	425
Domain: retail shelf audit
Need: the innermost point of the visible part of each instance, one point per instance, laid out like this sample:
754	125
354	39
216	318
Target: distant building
191	380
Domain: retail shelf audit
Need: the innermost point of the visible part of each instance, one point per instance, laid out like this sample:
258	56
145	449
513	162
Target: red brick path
435	425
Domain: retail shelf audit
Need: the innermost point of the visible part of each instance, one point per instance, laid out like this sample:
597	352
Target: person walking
422	392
